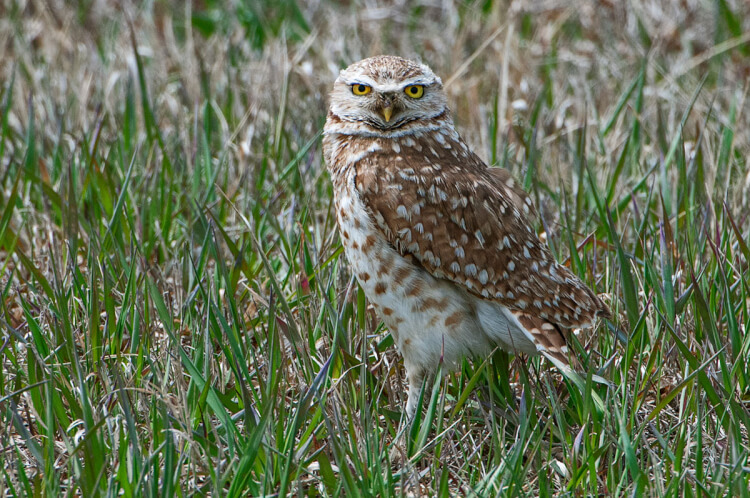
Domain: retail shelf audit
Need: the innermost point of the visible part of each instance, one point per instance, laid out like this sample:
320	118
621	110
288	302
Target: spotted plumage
441	244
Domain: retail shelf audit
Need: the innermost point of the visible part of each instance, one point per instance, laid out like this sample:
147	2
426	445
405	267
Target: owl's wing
470	226
502	179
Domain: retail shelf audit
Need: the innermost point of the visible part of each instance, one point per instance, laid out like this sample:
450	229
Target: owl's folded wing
470	226
503	180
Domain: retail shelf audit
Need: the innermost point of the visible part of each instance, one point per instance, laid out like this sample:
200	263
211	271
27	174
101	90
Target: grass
177	317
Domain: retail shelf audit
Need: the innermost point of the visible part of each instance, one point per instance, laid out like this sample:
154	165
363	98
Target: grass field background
177	317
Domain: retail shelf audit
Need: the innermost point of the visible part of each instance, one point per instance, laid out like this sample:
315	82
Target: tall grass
177	317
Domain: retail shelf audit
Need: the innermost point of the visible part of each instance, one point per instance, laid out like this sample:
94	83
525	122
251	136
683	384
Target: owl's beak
387	113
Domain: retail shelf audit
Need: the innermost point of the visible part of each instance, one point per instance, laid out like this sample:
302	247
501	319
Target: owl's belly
429	318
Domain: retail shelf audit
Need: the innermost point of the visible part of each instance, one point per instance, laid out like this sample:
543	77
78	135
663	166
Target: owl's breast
429	318
364	245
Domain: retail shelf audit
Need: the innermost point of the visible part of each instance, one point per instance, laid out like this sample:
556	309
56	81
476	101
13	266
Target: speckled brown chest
431	319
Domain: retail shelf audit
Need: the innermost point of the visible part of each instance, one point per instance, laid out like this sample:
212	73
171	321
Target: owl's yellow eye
360	89
414	91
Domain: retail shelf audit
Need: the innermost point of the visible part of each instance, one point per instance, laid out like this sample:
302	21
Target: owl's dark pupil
361	88
413	90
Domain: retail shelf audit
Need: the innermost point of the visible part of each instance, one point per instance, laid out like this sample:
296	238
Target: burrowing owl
440	243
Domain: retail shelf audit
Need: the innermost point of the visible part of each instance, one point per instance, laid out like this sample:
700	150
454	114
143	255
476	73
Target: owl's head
387	92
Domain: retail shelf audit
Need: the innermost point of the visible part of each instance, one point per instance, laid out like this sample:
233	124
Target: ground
176	315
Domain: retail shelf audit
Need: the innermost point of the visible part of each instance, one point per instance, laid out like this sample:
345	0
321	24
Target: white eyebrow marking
360	80
387	87
418	80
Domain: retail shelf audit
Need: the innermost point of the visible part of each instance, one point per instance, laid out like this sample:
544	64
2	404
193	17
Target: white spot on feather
483	277
506	242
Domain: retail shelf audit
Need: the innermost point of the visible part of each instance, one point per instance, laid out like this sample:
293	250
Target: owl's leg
416	376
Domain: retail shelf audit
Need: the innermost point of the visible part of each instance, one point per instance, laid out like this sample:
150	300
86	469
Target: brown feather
469	229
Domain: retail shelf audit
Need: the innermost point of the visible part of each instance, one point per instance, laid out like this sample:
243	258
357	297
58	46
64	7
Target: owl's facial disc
386	93
389	105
